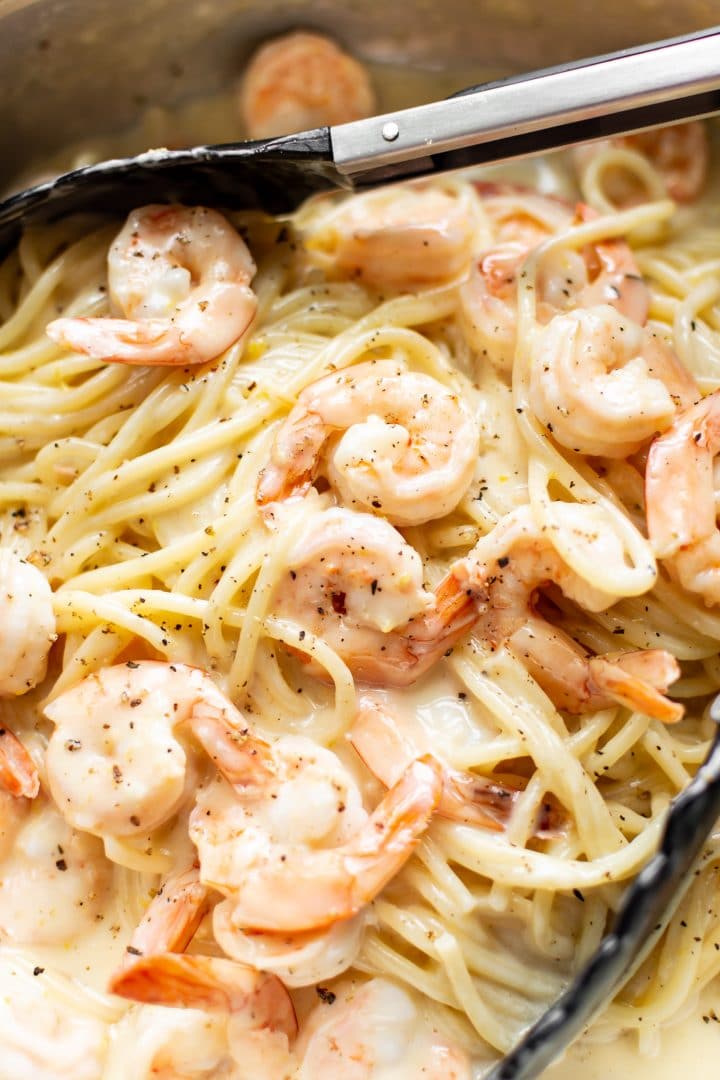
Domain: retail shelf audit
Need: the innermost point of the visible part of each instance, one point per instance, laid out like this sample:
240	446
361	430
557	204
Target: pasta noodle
133	490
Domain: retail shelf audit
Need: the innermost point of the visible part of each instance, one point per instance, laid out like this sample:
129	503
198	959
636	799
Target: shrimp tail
18	772
173	917
626	679
294	458
241	756
121	341
210	983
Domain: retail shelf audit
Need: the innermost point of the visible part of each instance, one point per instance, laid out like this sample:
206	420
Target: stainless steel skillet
620	92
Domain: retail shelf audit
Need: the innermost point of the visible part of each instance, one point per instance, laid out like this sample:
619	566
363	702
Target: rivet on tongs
390	131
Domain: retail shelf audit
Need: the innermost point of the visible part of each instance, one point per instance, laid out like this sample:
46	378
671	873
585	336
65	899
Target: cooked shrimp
299	959
406	446
173	916
354	581
301	81
18	772
211	983
401	237
181	277
605	273
28	624
466	797
54	882
578	682
28	631
602	384
680	153
115	763
503	572
285	838
374	1031
680	498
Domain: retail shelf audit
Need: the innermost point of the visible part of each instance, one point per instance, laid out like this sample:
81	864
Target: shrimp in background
285	838
502	573
604	273
680	153
181	277
681	501
602	384
405	445
354	582
302	81
405	237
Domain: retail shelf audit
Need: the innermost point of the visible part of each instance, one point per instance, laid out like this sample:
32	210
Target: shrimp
299	959
54	882
28	625
403	237
680	498
602	384
301	81
353	581
375	1031
27	634
211	983
578	682
502	573
115	764
680	153
487	802
604	273
406	445
173	916
285	838
181	277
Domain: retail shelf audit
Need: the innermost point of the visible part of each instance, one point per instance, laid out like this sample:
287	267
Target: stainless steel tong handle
623	91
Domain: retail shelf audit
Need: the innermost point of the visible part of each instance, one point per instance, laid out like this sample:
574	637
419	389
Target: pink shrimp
181	277
301	81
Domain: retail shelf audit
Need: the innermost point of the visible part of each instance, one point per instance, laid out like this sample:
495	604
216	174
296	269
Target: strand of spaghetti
303	641
78	610
507	696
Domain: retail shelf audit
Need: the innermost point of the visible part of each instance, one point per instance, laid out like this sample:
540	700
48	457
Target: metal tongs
624	92
647	907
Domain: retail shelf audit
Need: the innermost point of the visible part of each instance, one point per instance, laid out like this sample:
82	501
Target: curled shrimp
604	385
466	797
354	582
680	153
504	571
604	273
211	983
28	631
401	237
283	835
116	764
371	1030
404	444
680	498
181	277
301	81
